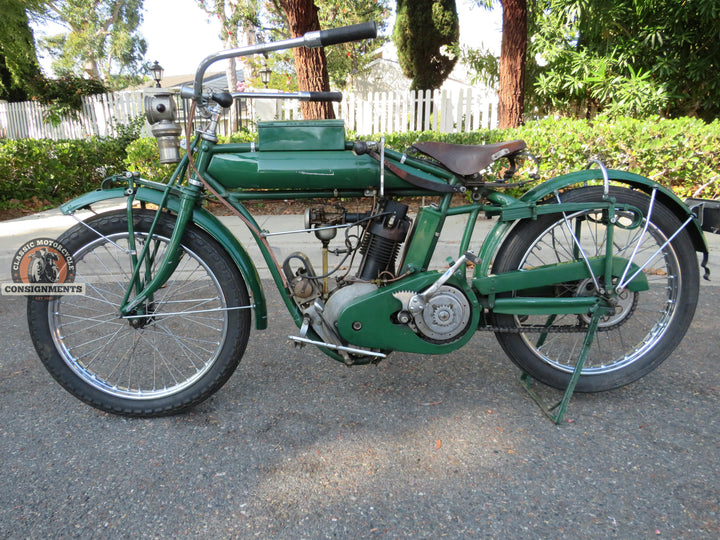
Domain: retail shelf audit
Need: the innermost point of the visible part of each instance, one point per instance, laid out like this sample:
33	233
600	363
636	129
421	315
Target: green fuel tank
301	155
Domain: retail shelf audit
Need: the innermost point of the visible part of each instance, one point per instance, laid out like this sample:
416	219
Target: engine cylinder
383	238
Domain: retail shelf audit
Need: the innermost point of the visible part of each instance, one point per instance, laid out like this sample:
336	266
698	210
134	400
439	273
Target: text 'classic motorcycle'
588	280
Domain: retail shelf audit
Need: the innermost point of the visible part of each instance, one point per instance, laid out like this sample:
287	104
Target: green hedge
51	172
143	156
683	154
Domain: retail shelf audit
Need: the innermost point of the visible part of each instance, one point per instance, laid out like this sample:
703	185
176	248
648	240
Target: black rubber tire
175	359
628	345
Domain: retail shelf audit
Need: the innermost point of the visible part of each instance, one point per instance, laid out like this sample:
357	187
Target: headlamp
161	114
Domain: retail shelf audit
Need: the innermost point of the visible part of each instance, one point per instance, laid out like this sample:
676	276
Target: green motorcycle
589	280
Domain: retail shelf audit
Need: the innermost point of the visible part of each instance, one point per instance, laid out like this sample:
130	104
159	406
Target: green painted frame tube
545	276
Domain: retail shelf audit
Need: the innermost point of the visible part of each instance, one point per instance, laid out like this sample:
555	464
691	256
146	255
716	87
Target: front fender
668	198
203	219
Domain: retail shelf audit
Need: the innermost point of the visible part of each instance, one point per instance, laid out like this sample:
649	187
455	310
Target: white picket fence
443	111
437	110
100	115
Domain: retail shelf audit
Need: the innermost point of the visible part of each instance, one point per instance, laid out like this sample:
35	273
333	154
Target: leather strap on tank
417	181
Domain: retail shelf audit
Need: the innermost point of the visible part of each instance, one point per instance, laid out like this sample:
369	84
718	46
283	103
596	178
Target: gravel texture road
299	446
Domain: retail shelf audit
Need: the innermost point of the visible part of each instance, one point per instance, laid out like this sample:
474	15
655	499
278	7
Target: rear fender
668	198
494	239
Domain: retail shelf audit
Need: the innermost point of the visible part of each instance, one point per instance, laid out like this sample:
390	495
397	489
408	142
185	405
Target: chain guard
564	329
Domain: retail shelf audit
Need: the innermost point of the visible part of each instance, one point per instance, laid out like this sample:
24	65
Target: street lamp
157	73
265	73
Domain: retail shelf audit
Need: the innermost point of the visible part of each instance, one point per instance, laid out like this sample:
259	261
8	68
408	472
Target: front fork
140	290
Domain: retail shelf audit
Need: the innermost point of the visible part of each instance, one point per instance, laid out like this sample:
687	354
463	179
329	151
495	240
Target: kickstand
562	405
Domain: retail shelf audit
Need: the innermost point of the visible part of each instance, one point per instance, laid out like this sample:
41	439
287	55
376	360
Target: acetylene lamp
161	114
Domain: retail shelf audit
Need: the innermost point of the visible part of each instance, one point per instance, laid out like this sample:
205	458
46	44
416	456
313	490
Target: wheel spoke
157	358
638	327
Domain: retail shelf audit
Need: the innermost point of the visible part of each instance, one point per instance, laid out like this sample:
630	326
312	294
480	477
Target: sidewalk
51	223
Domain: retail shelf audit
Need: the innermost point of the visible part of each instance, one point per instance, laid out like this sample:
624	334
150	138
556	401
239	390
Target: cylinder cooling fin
383	238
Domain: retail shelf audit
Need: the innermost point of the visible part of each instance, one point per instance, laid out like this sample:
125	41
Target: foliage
509	71
18	62
143	155
628	57
282	68
55	171
63	96
348	60
102	42
243	136
484	66
267	21
683	153
236	17
424	32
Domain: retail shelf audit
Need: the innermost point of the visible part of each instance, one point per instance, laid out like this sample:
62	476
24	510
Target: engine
384	235
383	232
440	314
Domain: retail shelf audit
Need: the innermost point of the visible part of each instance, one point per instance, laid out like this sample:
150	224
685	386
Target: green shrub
683	154
55	171
143	157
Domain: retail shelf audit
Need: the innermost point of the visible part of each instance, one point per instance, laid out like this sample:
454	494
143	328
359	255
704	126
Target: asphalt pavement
296	445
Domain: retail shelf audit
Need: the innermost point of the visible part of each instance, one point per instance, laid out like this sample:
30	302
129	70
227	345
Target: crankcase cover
446	315
371	319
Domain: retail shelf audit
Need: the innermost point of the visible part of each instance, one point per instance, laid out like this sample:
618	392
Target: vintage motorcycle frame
212	167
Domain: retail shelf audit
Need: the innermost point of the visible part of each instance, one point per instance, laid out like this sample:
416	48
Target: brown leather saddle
467	160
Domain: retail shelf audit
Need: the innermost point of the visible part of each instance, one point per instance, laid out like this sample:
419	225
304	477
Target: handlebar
344	34
317	38
301	96
225	99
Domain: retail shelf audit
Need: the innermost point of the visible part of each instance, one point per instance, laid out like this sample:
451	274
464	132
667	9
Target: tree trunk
230	41
231	76
511	95
310	64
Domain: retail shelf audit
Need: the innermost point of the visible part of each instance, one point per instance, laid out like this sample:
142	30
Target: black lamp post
157	73
265	73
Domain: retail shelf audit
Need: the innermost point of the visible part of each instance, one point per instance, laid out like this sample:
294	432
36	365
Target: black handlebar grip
322	96
360	147
224	99
355	32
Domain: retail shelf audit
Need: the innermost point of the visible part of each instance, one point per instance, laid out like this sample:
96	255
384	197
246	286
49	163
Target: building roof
216	80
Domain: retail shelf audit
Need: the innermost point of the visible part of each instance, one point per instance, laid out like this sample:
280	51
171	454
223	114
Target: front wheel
174	352
645	327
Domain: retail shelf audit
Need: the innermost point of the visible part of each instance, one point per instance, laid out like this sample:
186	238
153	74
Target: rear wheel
645	327
175	352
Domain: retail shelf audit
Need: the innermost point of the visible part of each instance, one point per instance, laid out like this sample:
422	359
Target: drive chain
537	329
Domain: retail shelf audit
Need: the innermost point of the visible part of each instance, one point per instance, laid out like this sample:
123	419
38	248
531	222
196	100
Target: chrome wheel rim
163	356
621	339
